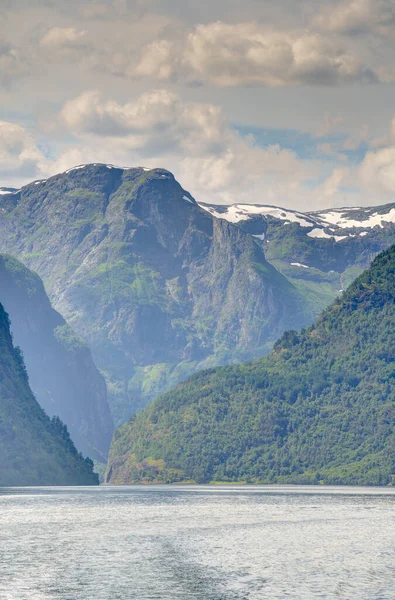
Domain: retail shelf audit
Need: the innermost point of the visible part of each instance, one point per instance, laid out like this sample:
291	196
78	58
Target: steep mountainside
34	450
61	371
156	286
320	252
319	408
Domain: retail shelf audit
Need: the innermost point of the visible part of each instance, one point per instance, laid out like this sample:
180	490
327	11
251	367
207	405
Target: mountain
157	286
61	371
319	409
34	450
320	252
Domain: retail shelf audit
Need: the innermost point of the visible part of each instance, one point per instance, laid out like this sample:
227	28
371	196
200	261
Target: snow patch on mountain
320	233
242	212
341	219
299	265
76	168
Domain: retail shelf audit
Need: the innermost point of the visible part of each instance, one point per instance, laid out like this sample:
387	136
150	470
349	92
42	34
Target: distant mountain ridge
61	371
320	252
155	285
319	409
326	224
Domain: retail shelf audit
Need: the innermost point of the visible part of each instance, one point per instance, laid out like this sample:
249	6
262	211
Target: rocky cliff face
320	252
61	371
157	286
34	450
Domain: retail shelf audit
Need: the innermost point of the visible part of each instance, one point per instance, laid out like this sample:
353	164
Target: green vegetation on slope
34	449
62	374
319	408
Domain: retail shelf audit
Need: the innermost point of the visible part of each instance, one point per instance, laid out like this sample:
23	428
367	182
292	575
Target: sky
290	103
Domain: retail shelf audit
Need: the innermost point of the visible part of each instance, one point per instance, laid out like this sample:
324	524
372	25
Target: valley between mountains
119	285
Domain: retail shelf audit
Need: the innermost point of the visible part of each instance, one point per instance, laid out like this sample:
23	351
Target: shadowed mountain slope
61	371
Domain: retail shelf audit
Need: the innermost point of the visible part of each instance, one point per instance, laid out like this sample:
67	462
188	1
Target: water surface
197	543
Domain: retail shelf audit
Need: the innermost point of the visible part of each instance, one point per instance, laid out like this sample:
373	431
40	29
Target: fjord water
198	543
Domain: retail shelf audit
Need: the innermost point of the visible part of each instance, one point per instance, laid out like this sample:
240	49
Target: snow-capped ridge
340	219
235	213
337	224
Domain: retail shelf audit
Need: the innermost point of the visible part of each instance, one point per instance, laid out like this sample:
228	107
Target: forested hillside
319	408
34	449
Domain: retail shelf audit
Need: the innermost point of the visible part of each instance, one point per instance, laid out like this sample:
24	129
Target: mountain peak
92	166
148	278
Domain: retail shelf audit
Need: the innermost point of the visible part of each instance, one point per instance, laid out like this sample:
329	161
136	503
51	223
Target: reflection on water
200	542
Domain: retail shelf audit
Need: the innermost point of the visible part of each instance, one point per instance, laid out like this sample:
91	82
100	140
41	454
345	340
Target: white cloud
158	59
155	123
90	114
60	38
192	139
132	42
20	157
247	53
357	17
377	171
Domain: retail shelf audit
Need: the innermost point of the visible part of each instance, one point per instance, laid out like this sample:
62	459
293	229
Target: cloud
156	121
12	65
20	157
192	139
62	37
153	121
105	39
359	17
247	53
159	59
377	171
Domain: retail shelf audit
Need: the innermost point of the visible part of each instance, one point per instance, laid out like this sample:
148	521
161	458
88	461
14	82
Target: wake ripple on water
200	543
